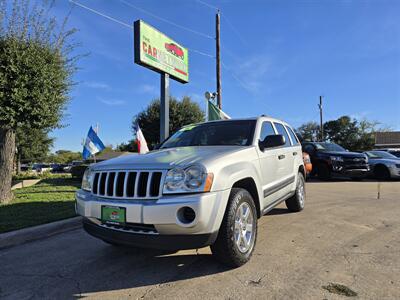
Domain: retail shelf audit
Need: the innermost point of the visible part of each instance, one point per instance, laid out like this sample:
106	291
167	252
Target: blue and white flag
92	145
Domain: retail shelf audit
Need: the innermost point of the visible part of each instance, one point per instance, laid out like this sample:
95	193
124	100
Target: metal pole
164	107
218	57
320	119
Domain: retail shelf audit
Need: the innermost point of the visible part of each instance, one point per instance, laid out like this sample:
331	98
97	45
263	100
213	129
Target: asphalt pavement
346	241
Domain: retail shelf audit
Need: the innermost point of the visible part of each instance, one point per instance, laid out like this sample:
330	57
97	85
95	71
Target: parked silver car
206	186
383	164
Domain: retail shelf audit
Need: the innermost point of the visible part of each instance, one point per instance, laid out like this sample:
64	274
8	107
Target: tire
324	172
381	172
296	202
229	248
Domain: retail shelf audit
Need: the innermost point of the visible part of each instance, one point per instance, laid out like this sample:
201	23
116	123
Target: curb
22	236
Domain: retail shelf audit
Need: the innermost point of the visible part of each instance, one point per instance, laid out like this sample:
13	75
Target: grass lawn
50	200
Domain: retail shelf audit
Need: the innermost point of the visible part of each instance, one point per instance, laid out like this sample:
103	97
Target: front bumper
351	170
394	172
160	214
155	241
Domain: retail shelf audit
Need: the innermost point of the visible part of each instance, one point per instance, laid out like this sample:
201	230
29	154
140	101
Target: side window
281	130
293	136
266	129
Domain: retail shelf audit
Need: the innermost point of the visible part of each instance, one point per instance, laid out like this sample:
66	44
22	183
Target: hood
167	158
345	154
386	161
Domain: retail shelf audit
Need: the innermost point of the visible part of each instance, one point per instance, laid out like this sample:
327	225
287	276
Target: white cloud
112	102
252	72
97	85
148	89
255	73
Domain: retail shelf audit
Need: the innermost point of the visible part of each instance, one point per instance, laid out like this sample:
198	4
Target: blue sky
278	57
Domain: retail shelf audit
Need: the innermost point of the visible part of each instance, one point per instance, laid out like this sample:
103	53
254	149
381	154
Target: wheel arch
249	185
380	166
302	170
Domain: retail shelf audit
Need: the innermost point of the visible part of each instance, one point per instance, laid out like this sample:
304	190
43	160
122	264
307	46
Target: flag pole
207	110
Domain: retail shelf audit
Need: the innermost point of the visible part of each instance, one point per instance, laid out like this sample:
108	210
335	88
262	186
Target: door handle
282	156
294	153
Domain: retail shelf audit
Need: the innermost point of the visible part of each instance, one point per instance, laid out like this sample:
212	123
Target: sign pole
164	107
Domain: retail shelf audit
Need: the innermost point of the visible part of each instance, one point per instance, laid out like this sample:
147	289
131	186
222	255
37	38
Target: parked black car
329	159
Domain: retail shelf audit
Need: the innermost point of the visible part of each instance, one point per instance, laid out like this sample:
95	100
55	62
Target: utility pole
164	107
218	57
320	119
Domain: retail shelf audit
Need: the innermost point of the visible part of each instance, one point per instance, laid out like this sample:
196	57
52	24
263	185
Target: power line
208	5
127	25
201	53
242	83
167	21
234	29
101	14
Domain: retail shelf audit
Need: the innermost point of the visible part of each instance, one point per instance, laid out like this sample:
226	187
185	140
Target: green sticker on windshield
187	128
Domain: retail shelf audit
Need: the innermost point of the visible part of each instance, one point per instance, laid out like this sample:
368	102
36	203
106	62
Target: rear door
268	164
285	161
296	149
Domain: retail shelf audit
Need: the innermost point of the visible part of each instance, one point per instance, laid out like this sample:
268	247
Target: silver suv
205	186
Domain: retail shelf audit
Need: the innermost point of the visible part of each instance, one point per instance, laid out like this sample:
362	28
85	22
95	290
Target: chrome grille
127	184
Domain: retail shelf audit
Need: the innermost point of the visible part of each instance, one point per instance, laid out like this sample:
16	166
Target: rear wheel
238	232
381	172
296	202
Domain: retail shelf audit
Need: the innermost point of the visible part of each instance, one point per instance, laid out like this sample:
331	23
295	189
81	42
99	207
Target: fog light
186	215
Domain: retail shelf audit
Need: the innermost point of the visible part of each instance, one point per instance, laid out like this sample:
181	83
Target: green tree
343	131
309	131
36	65
180	113
64	157
32	144
130	146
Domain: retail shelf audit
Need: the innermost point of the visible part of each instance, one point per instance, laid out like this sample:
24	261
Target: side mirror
272	141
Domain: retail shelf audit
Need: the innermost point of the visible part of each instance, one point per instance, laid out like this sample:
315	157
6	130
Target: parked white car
41	168
207	185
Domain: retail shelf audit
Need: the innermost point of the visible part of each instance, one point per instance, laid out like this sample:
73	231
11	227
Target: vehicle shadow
129	268
278	211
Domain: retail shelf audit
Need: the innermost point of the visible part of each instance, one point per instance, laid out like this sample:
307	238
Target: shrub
34	175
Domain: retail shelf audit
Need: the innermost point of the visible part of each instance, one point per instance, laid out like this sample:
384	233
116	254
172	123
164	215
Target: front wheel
296	202
238	232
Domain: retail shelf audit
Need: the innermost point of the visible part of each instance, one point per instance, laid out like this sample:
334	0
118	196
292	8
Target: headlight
191	179
87	180
174	179
336	158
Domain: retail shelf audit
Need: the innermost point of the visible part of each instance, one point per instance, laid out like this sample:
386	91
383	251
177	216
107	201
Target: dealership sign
156	51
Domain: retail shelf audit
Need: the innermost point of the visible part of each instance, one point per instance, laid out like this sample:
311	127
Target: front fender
230	174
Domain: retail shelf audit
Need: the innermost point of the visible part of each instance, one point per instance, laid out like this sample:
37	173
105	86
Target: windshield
223	133
329	147
380	154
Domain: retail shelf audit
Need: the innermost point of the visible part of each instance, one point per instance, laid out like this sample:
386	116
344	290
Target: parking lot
347	234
